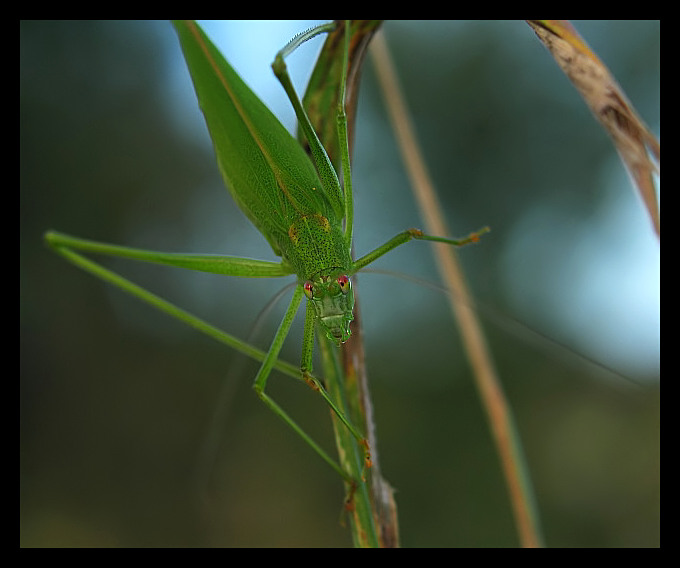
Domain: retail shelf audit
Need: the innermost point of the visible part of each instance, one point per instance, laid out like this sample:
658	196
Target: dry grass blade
491	392
607	101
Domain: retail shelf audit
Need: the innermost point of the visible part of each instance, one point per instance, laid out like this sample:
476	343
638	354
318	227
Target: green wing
269	175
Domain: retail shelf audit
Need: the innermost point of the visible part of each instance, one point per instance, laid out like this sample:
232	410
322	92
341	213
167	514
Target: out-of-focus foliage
116	400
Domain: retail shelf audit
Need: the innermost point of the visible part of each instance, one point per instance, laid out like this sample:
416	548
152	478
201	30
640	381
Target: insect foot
312	383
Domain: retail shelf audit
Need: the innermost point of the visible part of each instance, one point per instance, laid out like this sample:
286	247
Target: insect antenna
517	328
214	436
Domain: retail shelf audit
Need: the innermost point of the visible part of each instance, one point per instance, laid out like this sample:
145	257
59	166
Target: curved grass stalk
494	401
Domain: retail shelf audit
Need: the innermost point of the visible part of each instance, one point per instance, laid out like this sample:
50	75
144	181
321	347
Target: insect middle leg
305	374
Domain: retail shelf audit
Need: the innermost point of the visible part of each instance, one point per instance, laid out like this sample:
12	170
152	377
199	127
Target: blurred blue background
117	400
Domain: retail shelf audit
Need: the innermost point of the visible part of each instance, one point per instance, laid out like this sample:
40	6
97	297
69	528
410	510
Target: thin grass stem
488	383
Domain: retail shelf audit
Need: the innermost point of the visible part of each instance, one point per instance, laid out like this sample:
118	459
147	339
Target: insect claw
312	383
368	462
349	500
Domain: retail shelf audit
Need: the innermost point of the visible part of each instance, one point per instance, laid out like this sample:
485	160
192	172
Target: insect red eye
344	283
309	289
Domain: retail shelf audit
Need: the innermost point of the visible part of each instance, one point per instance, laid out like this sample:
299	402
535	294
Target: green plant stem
358	504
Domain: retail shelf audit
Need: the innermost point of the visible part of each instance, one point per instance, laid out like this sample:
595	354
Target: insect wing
268	173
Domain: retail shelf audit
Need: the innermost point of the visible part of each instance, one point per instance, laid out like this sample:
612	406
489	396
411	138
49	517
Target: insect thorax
315	244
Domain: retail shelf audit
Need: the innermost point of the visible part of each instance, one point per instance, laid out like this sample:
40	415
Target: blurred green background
117	401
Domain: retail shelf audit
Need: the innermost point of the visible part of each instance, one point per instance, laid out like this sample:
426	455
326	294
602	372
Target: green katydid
297	203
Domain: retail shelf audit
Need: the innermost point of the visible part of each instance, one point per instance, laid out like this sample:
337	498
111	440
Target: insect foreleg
405	237
315	384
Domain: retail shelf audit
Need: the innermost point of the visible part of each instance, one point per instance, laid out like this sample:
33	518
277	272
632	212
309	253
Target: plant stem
488	384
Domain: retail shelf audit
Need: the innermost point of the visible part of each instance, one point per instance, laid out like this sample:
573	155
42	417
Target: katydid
297	203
